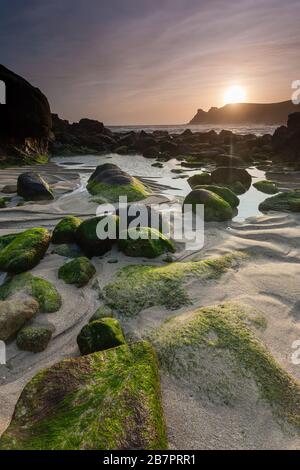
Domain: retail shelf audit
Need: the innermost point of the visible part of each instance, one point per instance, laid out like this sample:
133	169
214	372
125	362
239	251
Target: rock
198	180
14	313
34	339
25	120
225	193
65	230
123	150
215	207
68	250
6	240
102	312
9	189
153	218
286	140
78	271
100	334
42	291
32	187
169	147
158	165
3	201
229	161
88	240
151	152
236	178
25	250
288	201
110	400
110	182
268	187
150	244
138	287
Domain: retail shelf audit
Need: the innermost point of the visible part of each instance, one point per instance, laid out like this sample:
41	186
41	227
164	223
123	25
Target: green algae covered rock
109	400
64	232
268	187
78	271
102	312
100	334
25	250
33	338
42	291
135	288
88	240
283	202
215	207
150	244
216	351
68	250
225	193
199	180
6	239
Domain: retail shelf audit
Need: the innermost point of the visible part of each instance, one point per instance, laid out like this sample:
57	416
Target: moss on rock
65	230
283	202
215	207
88	240
25	250
68	250
135	191
225	193
102	312
42	291
199	180
216	350
265	186
150	244
109	400
78	271
138	287
6	240
101	334
33	338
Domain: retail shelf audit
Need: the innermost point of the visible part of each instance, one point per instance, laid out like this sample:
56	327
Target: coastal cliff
247	113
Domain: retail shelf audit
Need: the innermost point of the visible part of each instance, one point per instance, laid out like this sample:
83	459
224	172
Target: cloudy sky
151	61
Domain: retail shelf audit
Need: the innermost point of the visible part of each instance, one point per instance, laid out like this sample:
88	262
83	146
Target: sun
234	94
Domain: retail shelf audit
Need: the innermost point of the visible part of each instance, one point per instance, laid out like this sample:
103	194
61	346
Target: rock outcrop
246	113
25	120
286	139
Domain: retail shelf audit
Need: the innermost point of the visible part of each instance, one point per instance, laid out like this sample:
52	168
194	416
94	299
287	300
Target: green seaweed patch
41	290
150	244
109	400
65	230
78	271
288	201
138	287
224	333
135	191
265	186
33	338
25	250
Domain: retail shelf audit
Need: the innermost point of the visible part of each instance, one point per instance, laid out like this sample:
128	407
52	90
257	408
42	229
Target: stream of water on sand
171	184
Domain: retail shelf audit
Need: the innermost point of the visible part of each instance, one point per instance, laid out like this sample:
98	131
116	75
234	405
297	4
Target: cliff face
25	119
247	113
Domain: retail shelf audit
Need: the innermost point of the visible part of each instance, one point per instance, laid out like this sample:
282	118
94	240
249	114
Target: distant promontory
247	113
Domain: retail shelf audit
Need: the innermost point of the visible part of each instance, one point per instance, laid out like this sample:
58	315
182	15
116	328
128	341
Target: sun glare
234	94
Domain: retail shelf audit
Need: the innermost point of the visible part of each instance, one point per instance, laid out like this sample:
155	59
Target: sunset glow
234	94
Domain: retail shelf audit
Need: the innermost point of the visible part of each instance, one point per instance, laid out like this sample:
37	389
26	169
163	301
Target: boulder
286	140
32	187
215	207
102	312
225	193
237	178
65	230
265	186
150	244
88	240
198	180
101	334
25	119
25	250
78	271
288	201
110	400
14	313
42	291
110	182
33	338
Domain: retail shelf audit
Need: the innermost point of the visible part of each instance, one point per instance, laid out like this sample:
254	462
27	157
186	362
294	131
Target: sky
151	61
